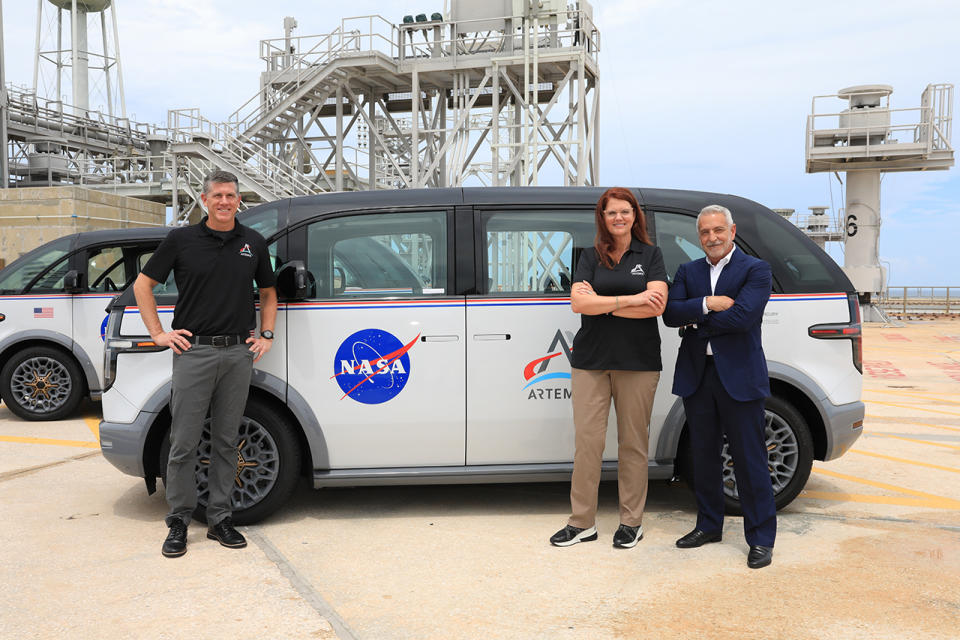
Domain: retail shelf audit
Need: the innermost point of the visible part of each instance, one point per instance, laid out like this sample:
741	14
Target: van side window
105	269
379	255
52	259
796	266
678	240
533	251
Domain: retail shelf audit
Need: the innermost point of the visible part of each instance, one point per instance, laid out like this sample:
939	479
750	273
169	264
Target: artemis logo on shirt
246	251
637	270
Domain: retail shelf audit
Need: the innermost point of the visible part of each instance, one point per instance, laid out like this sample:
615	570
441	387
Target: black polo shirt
609	341
214	272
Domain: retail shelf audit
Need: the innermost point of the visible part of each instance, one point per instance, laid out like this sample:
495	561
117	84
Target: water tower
77	57
866	139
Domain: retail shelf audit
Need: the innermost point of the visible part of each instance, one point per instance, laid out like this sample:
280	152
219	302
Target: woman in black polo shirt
619	289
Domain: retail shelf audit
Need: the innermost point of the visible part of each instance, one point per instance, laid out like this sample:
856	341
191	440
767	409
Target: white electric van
52	317
423	336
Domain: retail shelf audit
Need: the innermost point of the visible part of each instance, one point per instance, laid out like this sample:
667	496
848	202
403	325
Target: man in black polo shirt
214	264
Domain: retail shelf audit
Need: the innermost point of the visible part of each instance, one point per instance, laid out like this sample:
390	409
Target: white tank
90	6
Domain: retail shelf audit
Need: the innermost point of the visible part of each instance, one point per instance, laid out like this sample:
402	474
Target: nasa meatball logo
372	366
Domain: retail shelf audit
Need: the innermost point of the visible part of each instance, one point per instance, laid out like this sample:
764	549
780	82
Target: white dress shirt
715	270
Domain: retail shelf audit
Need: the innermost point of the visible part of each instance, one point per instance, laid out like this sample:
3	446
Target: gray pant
218	379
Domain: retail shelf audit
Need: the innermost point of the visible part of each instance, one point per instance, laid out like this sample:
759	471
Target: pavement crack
18	473
301	585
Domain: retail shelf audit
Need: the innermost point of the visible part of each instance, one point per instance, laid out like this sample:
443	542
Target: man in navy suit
721	375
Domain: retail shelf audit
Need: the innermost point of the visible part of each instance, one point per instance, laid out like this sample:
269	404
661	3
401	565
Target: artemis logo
372	366
536	371
637	270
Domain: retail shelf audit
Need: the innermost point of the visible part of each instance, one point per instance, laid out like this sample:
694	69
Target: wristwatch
267	334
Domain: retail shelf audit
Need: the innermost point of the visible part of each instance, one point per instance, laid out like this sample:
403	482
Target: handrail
303	65
925	300
932	127
264	167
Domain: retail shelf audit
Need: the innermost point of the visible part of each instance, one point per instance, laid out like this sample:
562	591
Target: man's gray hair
715	208
221	177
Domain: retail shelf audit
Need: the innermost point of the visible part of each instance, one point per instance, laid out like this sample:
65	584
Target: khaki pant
632	393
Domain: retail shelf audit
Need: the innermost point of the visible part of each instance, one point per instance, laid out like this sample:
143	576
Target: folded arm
682	308
646	304
748	305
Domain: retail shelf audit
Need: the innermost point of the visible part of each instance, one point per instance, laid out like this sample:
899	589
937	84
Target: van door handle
491	336
439	338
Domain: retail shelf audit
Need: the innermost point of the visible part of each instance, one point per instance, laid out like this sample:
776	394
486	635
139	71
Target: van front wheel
268	463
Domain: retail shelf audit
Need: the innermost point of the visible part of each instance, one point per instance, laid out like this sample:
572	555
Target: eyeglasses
622	212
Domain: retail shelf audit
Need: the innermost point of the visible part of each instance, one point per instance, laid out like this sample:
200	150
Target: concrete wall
32	216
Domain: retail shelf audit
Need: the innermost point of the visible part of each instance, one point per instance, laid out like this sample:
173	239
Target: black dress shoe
224	533
759	556
697	538
176	543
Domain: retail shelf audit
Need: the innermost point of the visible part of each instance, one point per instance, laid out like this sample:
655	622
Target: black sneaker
224	533
176	543
627	537
572	535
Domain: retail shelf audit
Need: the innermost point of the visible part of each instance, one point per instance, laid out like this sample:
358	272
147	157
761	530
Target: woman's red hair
604	241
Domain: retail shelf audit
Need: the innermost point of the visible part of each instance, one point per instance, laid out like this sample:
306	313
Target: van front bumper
844	425
122	444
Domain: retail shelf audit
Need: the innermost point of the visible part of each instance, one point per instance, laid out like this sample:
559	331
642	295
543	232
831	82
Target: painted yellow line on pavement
944	503
913	395
925	499
94	425
916	424
905	461
917	440
59	443
913	407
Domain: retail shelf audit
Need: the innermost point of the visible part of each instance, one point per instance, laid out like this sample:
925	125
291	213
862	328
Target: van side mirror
293	281
73	281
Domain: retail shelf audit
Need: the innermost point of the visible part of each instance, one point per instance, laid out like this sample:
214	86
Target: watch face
267	334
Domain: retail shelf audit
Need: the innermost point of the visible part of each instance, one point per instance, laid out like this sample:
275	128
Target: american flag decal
43	312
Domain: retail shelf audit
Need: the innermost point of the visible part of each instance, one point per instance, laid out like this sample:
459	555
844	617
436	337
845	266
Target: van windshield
17	277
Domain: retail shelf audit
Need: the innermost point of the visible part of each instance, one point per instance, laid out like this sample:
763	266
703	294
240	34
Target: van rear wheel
268	463
41	383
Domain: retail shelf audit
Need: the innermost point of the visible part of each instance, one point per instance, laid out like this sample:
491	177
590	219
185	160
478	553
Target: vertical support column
516	143
106	62
534	110
175	188
415	131
568	147
338	180
861	244
4	151
371	140
495	127
442	124
595	134
116	58
80	60
36	49
581	123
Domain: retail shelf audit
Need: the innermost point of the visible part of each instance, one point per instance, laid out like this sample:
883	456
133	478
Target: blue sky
694	95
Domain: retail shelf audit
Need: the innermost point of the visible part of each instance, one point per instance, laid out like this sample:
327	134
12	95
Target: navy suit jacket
734	334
